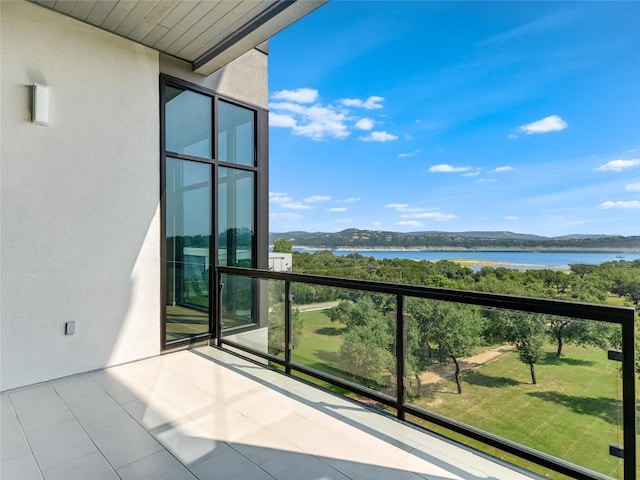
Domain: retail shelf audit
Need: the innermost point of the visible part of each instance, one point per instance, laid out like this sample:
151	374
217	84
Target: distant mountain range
353	238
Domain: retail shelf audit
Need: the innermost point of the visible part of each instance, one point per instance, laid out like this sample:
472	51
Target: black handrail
618	315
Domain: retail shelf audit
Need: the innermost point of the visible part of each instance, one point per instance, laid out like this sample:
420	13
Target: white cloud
279	197
365	124
552	123
618	165
337	209
322	122
444	168
471	174
371	103
506	168
315	121
317	198
296	206
300	95
629	204
289	107
486	180
404	207
281	120
439	216
511	217
577	222
511	136
301	111
379	137
285	216
409	154
409	223
350	200
376	224
397	206
632	187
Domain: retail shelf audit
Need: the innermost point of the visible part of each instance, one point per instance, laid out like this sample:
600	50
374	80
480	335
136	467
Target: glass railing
545	381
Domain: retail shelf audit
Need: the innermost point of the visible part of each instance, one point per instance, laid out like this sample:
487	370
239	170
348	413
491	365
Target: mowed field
573	413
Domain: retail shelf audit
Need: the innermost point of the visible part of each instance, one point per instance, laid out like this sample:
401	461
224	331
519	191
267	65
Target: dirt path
435	374
310	307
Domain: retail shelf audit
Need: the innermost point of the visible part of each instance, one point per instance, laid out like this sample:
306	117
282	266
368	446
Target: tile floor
208	415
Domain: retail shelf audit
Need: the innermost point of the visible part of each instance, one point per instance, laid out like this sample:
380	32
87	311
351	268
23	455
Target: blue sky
457	116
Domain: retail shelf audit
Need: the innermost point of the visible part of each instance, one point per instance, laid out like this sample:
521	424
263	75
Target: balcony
207	414
383	343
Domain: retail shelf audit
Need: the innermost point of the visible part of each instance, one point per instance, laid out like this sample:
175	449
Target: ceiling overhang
206	33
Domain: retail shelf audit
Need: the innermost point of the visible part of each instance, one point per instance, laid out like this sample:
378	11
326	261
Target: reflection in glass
236	218
236	126
235	242
188	122
188	234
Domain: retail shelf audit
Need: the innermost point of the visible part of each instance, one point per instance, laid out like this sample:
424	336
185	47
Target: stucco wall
79	211
244	79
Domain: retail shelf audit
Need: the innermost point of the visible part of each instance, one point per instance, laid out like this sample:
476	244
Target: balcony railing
395	347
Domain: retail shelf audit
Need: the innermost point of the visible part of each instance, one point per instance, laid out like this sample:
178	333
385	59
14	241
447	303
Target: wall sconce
40	104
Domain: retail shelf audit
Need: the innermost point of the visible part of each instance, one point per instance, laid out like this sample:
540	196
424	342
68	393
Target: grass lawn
319	343
573	412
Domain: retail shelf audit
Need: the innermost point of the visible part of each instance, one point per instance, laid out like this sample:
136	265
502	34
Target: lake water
517	260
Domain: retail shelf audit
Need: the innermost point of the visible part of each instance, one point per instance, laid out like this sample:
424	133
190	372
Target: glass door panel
188	248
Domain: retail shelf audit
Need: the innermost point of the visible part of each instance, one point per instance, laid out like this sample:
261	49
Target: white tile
125	442
93	467
190	399
36	392
189	442
13	443
364	471
118	387
153	413
298	466
98	412
229	465
298	430
214	416
235	429
263	445
159	466
6	410
43	412
77	388
262	409
58	444
21	468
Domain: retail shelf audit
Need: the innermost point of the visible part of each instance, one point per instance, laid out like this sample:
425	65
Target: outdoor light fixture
40	104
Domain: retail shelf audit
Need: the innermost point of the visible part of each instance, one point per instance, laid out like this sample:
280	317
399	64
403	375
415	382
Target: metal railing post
401	352
629	398
219	288
287	326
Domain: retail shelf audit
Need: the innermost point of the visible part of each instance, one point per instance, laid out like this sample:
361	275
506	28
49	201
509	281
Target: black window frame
260	241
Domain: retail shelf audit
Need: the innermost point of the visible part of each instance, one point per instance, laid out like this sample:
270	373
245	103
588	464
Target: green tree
282	245
456	329
526	332
565	330
354	314
368	344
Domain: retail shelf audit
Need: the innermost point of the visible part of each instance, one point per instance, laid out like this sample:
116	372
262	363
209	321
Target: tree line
354	238
438	331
